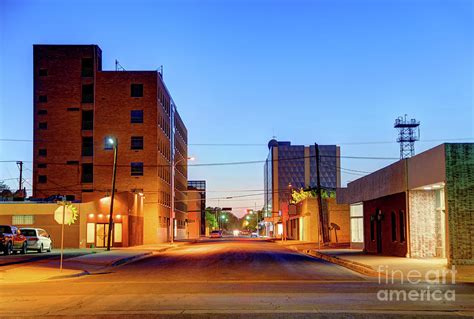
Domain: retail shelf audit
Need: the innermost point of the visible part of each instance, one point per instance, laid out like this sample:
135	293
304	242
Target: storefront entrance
101	234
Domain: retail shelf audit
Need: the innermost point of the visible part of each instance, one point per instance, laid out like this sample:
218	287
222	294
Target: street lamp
172	212
114	143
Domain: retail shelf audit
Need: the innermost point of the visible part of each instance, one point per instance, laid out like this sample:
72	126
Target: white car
37	239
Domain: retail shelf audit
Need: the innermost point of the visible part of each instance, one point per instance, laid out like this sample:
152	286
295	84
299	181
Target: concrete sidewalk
386	267
95	262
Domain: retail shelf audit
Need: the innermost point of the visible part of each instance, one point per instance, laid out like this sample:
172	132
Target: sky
327	71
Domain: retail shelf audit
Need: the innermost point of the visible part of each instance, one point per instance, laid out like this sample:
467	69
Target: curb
352	265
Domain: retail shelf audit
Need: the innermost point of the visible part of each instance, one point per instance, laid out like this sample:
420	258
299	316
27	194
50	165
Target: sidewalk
95	262
386	267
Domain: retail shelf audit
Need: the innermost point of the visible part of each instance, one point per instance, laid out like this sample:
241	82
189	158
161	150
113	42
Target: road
220	279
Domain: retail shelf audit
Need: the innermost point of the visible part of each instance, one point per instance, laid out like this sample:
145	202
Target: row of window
87	172
136	90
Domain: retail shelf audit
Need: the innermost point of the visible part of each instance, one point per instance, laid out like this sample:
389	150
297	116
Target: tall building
78	106
292	167
199	205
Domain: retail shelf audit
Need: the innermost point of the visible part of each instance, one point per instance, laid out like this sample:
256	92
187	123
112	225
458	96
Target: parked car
216	234
37	239
254	234
12	240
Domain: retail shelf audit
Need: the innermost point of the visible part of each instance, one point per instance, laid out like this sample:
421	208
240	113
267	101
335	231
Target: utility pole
20	182
115	145
320	201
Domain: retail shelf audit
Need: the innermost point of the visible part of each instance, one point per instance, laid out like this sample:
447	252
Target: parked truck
12	240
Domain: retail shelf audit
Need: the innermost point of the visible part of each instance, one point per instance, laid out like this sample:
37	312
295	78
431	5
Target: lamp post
114	142
172	212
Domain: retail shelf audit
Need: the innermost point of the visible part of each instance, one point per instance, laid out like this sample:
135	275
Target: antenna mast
408	133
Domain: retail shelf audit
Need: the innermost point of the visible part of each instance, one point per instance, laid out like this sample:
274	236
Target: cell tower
408	133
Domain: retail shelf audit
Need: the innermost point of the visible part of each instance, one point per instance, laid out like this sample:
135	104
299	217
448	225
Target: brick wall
460	202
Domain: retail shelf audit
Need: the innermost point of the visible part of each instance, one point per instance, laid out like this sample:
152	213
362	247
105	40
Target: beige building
303	223
91	227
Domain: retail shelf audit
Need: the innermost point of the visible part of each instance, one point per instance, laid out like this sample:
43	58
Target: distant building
197	207
421	207
291	167
77	106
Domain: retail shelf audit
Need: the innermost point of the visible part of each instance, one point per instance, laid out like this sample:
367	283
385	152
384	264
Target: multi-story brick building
291	167
78	106
198	189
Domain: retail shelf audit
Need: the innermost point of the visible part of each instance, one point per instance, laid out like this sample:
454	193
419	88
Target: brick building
420	207
197	204
78	106
294	167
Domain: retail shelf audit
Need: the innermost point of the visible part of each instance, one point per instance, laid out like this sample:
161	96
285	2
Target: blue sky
334	72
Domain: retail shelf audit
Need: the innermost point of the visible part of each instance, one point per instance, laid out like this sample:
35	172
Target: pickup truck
12	240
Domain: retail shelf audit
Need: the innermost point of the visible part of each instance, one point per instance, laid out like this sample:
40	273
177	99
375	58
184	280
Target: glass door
101	234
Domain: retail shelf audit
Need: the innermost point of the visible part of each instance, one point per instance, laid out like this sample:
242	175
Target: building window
87	120
394	227
43	98
41	165
43	125
372	227
23	220
42	179
43	72
136	116
136	169
87	146
136	90
401	216
90	237
42	112
357	220
87	69
87	175
117	232
88	93
42	152
136	143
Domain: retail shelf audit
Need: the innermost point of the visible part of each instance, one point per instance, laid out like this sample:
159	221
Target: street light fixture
114	142
172	212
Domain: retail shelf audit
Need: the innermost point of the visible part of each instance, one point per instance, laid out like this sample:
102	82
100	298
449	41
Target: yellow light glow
91	215
100	216
119	216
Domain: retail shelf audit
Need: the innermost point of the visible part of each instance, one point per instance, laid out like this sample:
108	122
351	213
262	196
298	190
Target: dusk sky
240	72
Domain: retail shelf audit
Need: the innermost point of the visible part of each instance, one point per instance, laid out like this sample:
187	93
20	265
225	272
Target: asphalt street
227	278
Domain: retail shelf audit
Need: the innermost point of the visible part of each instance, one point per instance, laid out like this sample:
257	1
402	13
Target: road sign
68	215
228	209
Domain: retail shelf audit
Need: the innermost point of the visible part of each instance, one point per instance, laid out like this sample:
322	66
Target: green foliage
300	195
211	221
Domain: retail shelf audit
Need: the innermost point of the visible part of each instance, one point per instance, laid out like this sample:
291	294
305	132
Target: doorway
101	235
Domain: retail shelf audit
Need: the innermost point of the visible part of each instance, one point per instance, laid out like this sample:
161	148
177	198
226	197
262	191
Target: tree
211	221
300	195
5	192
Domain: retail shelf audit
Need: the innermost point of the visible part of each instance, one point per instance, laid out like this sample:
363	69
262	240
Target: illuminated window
90	233
23	220
118	233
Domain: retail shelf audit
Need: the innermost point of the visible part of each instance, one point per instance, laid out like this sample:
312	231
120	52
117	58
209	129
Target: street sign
228	209
68	215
